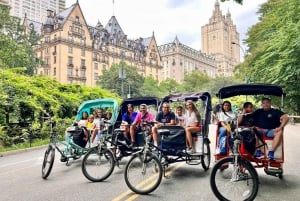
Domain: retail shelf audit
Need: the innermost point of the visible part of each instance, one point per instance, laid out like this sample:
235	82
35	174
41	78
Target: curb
8	153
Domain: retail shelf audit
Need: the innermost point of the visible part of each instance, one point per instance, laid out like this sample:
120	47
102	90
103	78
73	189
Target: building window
103	67
70	71
54	71
96	66
95	76
82	52
70	50
82	63
77	19
70	60
82	73
54	59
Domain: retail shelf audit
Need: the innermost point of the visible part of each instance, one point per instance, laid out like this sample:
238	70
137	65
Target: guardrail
292	119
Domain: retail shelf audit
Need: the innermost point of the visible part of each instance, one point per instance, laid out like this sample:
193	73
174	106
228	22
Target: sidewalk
7	153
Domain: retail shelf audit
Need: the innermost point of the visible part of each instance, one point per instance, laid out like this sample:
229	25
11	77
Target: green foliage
16	47
26	98
195	81
111	80
274	48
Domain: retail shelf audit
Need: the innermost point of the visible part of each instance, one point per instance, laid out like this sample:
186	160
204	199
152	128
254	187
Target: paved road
20	180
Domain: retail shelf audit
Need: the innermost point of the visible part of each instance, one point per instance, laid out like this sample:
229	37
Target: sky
168	18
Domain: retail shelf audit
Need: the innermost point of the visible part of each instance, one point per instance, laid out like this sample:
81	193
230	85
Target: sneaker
190	150
258	154
271	155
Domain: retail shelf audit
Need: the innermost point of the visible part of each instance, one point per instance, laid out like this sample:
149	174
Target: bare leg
154	135
277	139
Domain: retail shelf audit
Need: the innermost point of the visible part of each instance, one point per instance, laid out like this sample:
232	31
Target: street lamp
122	74
243	51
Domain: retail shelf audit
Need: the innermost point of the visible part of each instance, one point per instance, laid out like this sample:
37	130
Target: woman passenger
192	124
225	118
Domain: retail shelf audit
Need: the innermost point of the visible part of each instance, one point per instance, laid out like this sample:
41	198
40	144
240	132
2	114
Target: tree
16	49
150	88
274	46
169	86
111	80
195	81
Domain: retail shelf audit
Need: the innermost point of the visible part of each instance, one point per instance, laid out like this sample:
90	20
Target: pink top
148	117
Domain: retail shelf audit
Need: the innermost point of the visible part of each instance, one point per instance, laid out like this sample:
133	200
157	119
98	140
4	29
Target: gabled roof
113	27
63	15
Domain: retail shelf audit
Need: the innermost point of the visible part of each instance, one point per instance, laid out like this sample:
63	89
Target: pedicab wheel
236	182
205	158
143	174
48	161
97	165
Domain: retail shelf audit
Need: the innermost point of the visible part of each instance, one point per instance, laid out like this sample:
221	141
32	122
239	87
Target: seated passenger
192	124
78	132
272	121
128	118
136	125
164	117
90	121
225	118
179	117
247	119
98	123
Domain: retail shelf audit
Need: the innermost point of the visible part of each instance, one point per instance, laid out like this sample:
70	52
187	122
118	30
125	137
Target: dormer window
77	20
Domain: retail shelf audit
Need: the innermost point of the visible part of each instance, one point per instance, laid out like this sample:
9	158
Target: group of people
91	124
268	121
190	120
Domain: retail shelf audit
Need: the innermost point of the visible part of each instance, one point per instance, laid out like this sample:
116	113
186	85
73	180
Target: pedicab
234	176
72	146
145	169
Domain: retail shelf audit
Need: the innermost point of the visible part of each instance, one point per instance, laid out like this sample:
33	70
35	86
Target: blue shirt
129	119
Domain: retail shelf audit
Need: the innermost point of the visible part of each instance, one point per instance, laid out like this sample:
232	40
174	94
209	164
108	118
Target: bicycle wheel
205	158
234	183
143	176
98	165
48	161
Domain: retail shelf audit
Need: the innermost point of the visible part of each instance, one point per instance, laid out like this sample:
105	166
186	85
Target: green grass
25	145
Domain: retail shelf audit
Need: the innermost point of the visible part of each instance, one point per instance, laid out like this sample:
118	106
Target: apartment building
35	9
179	59
74	52
220	39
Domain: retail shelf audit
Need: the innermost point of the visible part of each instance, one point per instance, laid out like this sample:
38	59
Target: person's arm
284	119
172	117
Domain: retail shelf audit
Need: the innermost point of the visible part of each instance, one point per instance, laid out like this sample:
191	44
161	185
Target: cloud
167	18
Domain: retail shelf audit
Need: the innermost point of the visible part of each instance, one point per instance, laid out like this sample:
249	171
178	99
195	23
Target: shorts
268	133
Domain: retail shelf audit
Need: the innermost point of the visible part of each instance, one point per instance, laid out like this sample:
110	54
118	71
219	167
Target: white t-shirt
190	118
81	122
98	122
229	116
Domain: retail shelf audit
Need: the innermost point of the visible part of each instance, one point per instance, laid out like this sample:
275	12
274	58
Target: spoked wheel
234	182
98	165
205	158
48	162
143	174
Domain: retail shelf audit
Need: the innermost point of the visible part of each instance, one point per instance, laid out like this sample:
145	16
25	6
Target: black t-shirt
267	119
165	118
248	120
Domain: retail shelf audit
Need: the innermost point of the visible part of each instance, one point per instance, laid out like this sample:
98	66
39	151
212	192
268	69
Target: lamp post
244	54
122	74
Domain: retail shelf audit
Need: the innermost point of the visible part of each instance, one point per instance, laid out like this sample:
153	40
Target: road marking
135	196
